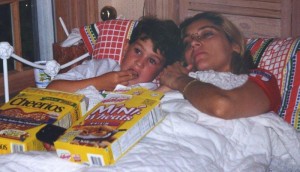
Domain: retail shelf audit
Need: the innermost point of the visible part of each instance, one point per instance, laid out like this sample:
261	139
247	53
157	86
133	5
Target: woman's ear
236	48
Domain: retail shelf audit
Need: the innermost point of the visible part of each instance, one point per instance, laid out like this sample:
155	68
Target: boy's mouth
135	72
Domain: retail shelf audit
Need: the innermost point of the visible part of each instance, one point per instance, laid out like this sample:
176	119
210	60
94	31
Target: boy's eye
152	61
137	51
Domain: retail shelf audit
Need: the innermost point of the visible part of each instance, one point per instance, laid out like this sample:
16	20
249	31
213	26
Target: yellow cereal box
25	114
72	99
111	128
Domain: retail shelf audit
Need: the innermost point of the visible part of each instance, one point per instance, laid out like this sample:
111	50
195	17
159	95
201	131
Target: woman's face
207	48
141	58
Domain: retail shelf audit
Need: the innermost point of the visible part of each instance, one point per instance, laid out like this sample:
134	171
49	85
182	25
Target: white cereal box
111	128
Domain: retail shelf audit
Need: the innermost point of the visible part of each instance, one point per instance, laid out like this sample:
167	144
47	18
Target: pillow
89	35
113	35
282	58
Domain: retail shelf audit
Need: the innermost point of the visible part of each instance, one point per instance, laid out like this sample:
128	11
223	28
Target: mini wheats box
25	114
111	128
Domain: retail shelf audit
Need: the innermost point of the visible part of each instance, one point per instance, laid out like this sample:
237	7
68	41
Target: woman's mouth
198	53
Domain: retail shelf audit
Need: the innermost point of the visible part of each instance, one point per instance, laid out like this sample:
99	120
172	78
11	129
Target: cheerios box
111	128
26	113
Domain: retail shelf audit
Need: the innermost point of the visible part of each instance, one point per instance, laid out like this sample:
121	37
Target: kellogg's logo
65	156
3	146
114	100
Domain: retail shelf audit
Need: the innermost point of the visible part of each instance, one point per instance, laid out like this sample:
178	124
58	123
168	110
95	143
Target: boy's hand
110	80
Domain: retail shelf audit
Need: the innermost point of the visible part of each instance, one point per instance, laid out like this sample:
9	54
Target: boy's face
141	58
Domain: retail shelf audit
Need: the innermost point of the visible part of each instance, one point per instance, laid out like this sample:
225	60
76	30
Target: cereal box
25	114
111	128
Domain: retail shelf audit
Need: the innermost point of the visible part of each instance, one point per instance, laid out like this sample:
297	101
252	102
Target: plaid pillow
282	58
113	35
89	35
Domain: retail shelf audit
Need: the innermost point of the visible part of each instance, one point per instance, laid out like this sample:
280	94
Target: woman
212	43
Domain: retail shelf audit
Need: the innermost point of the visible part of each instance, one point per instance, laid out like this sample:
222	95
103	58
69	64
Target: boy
154	44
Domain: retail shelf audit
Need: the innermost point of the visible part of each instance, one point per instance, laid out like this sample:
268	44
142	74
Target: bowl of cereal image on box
96	136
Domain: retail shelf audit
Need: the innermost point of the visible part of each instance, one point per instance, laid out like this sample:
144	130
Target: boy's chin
135	81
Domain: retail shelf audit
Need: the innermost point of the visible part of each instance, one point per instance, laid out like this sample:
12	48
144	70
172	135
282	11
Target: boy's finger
124	83
128	73
127	77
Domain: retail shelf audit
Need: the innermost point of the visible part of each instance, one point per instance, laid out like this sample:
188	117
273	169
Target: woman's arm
245	101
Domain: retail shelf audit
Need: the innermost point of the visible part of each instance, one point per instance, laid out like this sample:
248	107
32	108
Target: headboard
255	18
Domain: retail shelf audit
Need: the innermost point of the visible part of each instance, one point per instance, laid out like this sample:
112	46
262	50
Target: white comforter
188	140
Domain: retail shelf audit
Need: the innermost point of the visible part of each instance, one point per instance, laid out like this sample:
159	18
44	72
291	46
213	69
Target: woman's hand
171	75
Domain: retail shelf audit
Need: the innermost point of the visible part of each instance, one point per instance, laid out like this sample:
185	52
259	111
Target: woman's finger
189	67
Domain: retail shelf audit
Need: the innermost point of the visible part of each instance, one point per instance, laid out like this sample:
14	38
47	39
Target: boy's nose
140	63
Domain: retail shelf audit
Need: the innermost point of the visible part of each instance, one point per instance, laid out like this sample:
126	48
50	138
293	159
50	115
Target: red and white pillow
112	36
282	58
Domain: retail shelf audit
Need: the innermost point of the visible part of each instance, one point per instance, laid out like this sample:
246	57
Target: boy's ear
125	47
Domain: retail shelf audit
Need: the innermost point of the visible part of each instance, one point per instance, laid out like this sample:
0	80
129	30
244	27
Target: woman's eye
202	36
206	35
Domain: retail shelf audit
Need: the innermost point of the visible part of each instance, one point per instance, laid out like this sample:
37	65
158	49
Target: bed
189	140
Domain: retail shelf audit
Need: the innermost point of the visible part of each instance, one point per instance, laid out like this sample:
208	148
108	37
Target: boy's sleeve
267	81
77	73
89	69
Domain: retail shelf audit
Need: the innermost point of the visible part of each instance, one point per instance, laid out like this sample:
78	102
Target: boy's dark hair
164	34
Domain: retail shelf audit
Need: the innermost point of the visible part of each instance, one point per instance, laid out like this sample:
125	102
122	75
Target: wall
129	9
255	18
75	13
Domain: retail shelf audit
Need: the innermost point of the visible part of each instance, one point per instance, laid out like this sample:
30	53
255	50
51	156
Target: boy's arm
69	85
107	81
